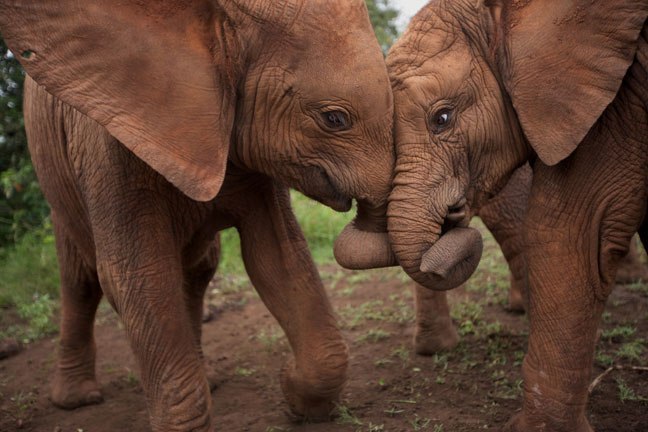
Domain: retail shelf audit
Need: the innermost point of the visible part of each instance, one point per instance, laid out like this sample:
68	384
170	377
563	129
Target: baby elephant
503	215
152	126
483	86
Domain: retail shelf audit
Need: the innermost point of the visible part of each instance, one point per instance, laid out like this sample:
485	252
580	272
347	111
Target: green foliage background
22	207
383	17
27	254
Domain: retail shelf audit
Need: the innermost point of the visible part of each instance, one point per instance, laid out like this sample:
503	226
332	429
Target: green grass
28	269
626	393
29	281
320	225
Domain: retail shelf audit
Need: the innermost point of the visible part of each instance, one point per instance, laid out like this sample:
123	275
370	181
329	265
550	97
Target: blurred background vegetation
28	268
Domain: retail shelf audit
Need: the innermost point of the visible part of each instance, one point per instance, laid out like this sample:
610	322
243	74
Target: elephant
503	215
154	125
480	88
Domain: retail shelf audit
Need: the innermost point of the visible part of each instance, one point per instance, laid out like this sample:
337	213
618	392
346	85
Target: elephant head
481	86
294	89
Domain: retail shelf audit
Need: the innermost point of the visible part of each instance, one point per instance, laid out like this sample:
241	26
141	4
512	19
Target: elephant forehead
428	34
331	14
348	66
440	76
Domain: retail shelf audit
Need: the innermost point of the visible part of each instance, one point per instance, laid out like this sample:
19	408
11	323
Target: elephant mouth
319	185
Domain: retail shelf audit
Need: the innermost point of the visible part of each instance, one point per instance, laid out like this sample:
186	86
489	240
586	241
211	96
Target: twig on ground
609	370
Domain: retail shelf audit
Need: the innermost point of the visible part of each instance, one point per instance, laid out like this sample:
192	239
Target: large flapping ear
564	63
155	74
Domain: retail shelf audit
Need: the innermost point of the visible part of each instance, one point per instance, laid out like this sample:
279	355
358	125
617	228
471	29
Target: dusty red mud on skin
475	387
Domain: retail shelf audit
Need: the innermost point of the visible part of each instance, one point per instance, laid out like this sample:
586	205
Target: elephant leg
146	291
435	331
582	215
504	217
74	383
142	272
196	281
281	269
631	269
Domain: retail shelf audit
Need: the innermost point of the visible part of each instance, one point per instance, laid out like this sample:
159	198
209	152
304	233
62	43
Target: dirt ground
474	388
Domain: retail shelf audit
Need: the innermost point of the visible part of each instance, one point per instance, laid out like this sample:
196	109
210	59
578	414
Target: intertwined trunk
438	254
364	243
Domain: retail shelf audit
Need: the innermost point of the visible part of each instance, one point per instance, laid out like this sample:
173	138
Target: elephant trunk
364	243
426	224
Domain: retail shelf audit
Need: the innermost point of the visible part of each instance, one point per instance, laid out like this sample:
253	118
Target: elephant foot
520	423
68	393
310	399
431	340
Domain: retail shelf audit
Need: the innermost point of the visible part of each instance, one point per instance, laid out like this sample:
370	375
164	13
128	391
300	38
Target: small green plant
632	350
419	424
604	359
441	360
618	333
346	417
639	287
19	409
244	372
131	377
23	400
468	314
269	338
374	336
382	362
628	394
402	353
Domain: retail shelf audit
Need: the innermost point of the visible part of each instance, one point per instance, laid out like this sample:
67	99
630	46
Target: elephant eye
441	120
336	120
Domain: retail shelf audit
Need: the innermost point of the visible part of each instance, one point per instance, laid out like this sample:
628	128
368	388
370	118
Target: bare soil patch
473	388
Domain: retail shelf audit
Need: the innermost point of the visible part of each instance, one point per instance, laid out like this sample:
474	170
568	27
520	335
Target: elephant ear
152	73
565	62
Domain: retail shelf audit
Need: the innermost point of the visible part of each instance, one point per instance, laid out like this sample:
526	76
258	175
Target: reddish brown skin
487	60
215	101
503	215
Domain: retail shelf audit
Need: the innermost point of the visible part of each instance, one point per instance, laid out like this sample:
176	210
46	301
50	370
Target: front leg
582	214
281	268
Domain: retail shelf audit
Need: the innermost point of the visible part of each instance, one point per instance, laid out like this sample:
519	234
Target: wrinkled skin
482	87
503	215
169	121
